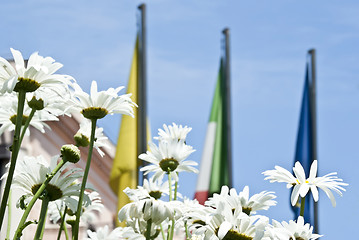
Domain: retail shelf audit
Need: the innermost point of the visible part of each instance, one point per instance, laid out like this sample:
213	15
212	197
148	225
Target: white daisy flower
277	233
55	103
151	189
38	72
192	213
136	229
302	185
327	183
146	209
8	113
98	104
31	172
136	220
92	208
130	234
298	229
174	132
228	224
260	201
168	157
92	204
83	135
197	237
104	233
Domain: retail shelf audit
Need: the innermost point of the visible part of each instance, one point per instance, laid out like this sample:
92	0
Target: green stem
27	123
302	206
148	229
9	204
173	221
176	186
170	185
162	232
41	225
75	233
19	229
186	230
15	152
172	229
62	225
66	233
168	233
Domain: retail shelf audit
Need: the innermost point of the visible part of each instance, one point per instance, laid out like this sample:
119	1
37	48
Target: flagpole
142	89
227	75
313	108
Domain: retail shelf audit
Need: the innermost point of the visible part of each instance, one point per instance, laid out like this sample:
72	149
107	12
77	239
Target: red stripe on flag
201	196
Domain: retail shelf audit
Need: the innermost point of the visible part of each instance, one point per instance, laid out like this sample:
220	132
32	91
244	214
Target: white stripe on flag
207	157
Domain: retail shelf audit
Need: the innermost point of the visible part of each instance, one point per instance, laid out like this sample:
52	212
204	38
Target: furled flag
214	169
304	148
124	171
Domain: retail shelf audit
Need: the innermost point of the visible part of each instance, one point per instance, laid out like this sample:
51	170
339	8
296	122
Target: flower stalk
176	187
148	229
162	232
170	186
39	192
41	225
8	216
75	232
27	123
62	225
174	197
15	151
186	230
302	206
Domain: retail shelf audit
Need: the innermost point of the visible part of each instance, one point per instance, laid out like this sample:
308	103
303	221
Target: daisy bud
21	203
70	153
71	220
81	140
37	104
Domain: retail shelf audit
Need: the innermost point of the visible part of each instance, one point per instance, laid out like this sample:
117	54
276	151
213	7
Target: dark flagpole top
225	31
142	6
311	51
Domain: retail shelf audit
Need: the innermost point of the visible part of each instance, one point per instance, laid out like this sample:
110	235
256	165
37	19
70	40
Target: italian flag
214	168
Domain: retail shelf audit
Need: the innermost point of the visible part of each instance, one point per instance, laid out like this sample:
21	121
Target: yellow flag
124	170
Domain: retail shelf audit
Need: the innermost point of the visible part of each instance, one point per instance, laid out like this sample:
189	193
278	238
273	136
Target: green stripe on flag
220	172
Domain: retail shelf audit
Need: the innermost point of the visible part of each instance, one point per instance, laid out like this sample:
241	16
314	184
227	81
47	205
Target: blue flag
304	147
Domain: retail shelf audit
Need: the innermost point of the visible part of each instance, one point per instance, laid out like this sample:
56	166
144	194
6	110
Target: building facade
48	145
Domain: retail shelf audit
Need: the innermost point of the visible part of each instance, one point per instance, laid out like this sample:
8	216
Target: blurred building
48	145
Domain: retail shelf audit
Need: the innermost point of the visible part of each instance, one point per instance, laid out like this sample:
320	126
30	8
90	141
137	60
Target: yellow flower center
168	164
13	119
247	210
200	222
234	235
306	181
155	194
53	192
26	84
94	112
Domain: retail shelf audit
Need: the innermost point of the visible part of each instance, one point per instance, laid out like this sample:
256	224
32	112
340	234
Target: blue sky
269	41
